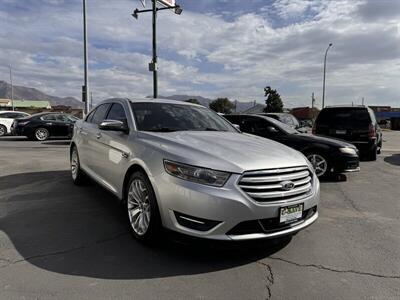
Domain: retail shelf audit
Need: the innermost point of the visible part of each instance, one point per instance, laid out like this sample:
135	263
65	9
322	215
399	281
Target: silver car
183	167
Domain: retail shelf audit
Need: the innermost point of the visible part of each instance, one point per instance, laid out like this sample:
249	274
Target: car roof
150	100
346	106
12	111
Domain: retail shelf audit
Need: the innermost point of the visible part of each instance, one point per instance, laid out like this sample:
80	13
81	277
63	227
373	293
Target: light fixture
178	10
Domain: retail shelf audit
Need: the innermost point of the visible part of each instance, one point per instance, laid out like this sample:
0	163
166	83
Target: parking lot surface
59	241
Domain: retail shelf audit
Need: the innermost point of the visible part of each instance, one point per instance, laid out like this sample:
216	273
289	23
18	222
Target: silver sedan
185	168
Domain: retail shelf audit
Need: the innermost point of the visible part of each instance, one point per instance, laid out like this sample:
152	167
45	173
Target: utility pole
12	89
323	85
169	4
154	62
312	107
362	100
85	87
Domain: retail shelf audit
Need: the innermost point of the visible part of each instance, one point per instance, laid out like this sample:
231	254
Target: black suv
355	124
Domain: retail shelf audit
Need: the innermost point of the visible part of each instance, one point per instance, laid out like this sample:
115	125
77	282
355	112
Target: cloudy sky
225	48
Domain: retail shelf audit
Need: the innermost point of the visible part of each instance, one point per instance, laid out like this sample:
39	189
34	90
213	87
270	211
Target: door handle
98	135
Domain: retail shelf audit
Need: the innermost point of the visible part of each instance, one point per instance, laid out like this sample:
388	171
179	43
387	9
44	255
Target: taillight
371	132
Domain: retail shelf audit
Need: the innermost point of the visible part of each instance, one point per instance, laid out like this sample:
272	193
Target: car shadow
394	159
57	142
334	178
82	231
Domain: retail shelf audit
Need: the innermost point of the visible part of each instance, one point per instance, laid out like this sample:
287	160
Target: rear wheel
142	208
78	177
3	130
373	153
320	163
41	134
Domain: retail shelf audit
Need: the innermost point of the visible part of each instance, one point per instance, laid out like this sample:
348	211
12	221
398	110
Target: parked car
42	126
355	124
183	167
328	156
7	118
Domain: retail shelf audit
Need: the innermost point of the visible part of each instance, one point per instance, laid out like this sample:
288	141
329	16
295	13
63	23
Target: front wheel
320	164
142	208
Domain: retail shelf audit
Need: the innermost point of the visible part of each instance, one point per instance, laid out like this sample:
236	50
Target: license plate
291	213
340	131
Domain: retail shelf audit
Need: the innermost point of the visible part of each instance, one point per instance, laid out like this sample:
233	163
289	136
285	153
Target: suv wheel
372	155
320	163
41	134
142	208
78	177
3	130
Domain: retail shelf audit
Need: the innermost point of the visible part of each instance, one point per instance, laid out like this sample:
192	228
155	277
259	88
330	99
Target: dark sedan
328	156
42	126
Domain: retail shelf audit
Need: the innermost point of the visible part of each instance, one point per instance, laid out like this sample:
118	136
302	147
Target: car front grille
277	184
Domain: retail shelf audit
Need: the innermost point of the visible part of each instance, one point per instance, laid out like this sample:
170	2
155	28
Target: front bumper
345	163
226	208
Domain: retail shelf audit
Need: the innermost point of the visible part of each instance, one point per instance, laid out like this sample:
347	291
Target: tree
222	105
273	101
195	101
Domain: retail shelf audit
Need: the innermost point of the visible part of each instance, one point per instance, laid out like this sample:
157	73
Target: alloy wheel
319	163
41	134
74	164
2	130
139	209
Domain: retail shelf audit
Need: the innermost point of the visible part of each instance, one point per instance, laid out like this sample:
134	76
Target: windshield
284	127
167	117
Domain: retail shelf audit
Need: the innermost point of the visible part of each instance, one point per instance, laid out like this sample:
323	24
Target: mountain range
240	106
27	93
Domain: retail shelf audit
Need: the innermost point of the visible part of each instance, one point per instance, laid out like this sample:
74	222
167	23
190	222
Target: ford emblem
287	185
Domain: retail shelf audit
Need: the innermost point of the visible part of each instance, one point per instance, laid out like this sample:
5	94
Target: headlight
196	174
347	150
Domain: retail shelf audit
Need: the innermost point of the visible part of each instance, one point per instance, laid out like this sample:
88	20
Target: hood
325	140
225	151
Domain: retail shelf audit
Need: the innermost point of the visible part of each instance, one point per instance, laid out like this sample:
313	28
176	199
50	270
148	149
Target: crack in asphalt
66	251
270	278
348	199
331	269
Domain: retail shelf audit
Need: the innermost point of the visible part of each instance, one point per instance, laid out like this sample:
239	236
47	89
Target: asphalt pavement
59	241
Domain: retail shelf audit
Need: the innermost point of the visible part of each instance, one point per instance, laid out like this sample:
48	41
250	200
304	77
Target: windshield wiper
165	129
210	129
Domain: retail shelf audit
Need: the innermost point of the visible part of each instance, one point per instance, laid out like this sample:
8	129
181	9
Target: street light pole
85	88
154	65
12	89
323	86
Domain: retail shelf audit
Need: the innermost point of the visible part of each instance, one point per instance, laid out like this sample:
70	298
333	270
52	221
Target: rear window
344	117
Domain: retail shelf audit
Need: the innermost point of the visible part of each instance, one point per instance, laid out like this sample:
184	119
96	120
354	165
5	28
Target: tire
372	154
320	162
3	130
142	209
41	134
78	176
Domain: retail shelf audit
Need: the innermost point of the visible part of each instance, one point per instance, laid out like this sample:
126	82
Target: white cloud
208	55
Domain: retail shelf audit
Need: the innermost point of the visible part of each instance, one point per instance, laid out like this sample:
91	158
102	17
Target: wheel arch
133	168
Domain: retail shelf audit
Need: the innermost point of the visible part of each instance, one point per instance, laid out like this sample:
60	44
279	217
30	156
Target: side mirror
114	125
271	129
236	126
